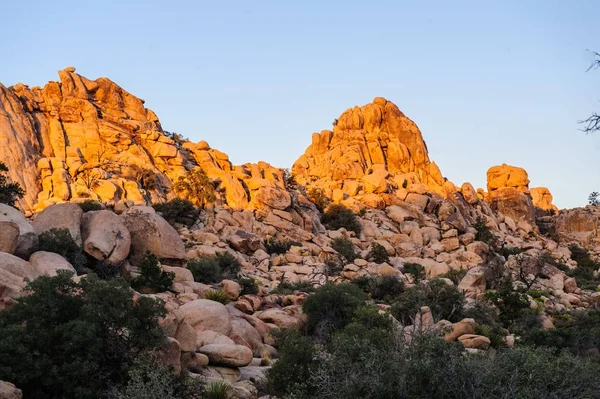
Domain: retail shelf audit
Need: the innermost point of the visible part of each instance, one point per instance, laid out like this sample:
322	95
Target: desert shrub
331	307
293	368
217	296
10	192
205	269
178	210
146	177
454	275
445	301
152	278
149	379
380	288
414	269
228	265
219	389
71	339
285	288
275	246
488	323
60	241
337	216
593	198
195	186
584	273
378	254
511	301
90	205
508	251
317	197
577	331
345	248
249	286
289	179
483	232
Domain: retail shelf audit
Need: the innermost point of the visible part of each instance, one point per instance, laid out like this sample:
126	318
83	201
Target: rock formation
373	149
542	200
508	193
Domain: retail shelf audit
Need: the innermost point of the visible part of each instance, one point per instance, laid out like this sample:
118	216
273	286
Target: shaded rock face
372	149
508	193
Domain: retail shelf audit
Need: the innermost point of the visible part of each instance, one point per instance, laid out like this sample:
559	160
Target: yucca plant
218	389
217	296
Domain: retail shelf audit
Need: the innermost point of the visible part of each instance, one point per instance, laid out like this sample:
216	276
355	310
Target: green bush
454	275
217	296
445	301
249	286
511	301
584	273
10	192
90	205
205	269
60	241
148	378
484	233
72	339
338	216
152	278
317	197
345	248
195	186
378	254
331	307
179	211
275	246
380	288
285	288
228	265
415	270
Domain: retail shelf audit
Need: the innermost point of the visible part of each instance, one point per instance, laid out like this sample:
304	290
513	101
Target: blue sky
487	82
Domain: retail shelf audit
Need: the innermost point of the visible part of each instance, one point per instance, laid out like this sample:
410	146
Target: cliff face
372	149
80	138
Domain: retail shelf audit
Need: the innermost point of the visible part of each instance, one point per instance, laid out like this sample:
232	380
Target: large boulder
150	232
9	391
28	240
227	355
508	193
58	216
542	199
49	263
204	314
105	236
9	236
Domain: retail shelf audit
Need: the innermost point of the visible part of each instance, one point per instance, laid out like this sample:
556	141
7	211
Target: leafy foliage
10	192
72	339
454	275
414	269
90	205
286	288
380	288
178	210
317	197
445	301
337	216
345	248
249	286
152	278
331	307
511	301
584	273
195	186
484	233
378	254
228	265
275	246
205	269
60	241
593	198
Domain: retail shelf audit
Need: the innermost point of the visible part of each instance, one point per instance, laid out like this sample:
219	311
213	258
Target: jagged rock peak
371	149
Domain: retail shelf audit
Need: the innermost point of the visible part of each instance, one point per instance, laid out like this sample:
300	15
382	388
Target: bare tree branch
592	124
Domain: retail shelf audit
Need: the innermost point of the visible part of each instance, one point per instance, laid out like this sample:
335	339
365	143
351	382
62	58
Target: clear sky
486	81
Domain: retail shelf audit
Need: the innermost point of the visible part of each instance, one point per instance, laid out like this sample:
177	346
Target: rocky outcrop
508	193
373	149
542	200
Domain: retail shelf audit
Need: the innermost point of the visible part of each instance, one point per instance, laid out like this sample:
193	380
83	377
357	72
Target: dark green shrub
380	288
205	269
249	286
219	389
484	233
217	296
152	278
454	275
293	368
76	339
195	186
179	211
345	248
378	254
586	267
10	192
90	205
331	307
414	269
275	246
285	288
228	265
508	251
511	301
317	197
445	301
61	242
338	216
